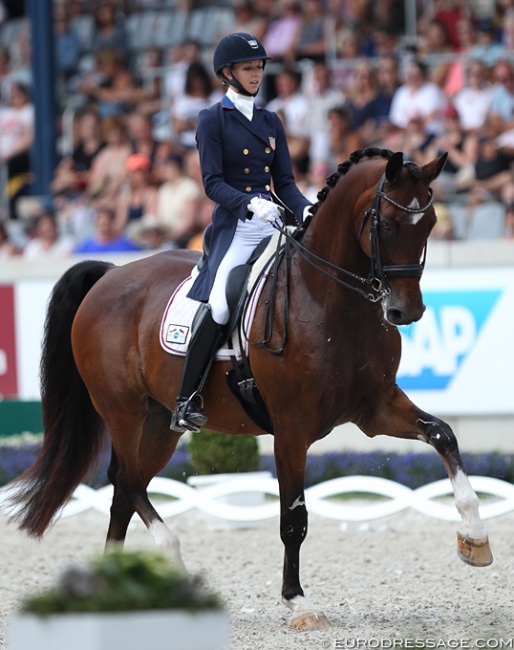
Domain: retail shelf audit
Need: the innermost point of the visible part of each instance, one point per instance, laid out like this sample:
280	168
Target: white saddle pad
176	324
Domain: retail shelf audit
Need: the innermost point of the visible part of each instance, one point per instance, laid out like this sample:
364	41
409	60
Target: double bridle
381	273
376	284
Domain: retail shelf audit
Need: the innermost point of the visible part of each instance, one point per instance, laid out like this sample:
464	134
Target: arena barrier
497	498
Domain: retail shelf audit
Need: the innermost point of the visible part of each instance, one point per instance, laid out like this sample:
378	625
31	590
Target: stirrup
187	416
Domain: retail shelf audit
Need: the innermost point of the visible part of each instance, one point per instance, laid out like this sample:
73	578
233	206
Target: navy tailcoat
239	159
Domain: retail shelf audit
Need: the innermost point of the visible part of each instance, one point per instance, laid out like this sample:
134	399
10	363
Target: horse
330	357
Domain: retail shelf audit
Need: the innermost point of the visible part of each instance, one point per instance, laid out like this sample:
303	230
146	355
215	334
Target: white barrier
399	498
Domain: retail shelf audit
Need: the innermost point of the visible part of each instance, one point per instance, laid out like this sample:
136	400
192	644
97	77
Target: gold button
267	150
246	152
247	170
267	188
248	189
266	169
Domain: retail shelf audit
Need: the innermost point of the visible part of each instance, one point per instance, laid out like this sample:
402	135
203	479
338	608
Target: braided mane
342	169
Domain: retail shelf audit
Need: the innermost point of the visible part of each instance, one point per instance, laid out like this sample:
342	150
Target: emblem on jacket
272	142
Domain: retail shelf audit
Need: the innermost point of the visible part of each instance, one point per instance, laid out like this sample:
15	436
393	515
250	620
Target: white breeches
247	236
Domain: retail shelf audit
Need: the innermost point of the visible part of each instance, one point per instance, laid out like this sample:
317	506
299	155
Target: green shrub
120	581
218	453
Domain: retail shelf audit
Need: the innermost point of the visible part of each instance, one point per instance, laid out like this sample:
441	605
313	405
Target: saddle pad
176	324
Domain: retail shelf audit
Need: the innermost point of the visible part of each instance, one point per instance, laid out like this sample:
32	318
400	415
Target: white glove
265	211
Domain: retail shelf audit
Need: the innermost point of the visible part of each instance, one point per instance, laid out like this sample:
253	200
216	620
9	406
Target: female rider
243	151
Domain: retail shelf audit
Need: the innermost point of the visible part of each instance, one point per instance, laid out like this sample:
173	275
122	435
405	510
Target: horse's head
399	223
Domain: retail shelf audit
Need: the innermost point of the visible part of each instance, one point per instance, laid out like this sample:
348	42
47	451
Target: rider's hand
265	211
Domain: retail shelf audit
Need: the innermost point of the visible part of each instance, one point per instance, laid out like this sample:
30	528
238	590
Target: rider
243	150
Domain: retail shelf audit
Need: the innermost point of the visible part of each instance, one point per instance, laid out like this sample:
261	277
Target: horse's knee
293	523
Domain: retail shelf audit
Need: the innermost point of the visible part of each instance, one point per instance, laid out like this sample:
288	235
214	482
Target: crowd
343	76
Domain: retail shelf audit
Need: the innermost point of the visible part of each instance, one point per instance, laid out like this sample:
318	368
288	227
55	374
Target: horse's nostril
395	316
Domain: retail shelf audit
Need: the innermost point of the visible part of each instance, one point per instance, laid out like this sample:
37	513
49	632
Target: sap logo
434	348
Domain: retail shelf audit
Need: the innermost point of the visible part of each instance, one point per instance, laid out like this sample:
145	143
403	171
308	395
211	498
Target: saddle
244	284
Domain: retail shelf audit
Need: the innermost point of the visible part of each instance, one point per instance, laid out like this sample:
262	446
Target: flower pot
246	499
155	629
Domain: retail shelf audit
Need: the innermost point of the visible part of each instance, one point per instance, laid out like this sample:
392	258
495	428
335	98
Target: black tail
73	430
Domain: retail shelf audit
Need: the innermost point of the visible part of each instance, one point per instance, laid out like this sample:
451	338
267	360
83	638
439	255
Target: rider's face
248	73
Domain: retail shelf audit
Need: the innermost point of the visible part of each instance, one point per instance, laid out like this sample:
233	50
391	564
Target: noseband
380	273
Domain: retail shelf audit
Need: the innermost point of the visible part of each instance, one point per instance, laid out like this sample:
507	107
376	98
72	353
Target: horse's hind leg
400	418
135	461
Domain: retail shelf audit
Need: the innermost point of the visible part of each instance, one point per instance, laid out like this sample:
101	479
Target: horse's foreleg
293	530
400	418
473	542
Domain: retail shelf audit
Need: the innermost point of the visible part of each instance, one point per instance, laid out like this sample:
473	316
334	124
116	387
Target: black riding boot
205	340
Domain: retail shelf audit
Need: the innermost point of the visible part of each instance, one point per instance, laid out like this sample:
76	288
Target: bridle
376	284
380	273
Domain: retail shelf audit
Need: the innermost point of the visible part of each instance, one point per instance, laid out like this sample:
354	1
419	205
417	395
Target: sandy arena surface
396	580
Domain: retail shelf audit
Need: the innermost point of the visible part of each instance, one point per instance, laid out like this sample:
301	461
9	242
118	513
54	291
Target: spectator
290	100
362	95
197	96
349	48
152	235
108	34
111	87
202	218
67	46
106	238
7	247
501	110
71	176
47	243
247	20
474	100
137	195
151	104
108	167
323	97
488	49
310	38
177	199
418	99
6	76
282	30
462	155
16	138
388	77
436	42
142	141
343	139
181	58
298	146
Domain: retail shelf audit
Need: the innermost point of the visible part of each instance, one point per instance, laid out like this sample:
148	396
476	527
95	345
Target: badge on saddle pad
176	334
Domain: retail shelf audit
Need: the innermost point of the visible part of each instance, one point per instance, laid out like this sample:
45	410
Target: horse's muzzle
398	313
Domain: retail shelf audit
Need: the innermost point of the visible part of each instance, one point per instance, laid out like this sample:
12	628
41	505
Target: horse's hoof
310	621
475	552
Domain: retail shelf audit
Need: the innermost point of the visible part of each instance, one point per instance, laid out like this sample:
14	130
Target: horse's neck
332	236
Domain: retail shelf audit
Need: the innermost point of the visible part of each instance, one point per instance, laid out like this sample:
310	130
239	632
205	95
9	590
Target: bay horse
352	277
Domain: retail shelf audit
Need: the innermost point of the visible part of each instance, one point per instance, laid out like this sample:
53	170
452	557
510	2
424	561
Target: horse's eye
386	226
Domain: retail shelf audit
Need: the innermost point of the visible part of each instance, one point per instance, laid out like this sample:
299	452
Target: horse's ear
432	169
394	167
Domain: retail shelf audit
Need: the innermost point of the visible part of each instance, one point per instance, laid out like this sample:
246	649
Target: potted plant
128	600
217	458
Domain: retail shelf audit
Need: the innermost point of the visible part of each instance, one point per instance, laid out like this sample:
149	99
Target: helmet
236	48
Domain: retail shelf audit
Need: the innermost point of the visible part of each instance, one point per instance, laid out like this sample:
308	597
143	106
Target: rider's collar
243	103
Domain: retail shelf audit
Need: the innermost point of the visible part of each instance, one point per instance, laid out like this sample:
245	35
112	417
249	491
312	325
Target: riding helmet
236	48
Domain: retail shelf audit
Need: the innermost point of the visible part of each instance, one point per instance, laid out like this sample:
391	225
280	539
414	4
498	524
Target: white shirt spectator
410	104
